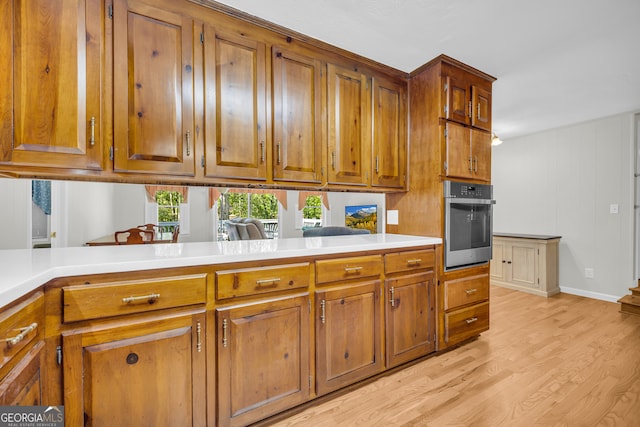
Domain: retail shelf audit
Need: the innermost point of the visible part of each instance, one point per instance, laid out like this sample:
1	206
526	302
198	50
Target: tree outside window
261	206
312	212
168	210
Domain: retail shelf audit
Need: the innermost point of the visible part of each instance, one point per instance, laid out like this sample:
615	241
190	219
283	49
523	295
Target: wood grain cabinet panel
263	359
297	117
149	372
410	317
349	119
389	155
235	105
154	128
23	384
468	152
50	74
348	335
256	281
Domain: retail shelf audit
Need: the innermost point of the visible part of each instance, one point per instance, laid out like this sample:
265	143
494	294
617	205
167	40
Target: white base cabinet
526	262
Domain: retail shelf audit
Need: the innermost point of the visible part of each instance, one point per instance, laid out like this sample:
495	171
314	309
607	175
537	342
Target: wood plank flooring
558	361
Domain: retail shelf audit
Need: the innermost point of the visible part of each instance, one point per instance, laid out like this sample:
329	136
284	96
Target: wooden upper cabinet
456	99
389	133
235	106
297	117
153	90
349	103
50	111
466	101
481	102
467	152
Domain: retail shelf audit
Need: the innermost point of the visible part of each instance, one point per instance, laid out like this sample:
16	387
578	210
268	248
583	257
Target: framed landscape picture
362	216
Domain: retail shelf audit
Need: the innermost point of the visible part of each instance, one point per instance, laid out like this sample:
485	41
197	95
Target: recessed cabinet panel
458	151
297	117
349	131
481	154
153	90
235	131
481	101
523	264
50	75
389	134
456	99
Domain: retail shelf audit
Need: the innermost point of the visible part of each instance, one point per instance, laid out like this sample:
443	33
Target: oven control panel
464	190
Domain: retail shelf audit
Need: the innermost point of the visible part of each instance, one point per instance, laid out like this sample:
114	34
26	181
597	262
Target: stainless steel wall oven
468	224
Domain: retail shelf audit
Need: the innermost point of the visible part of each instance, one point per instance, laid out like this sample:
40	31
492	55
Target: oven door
468	231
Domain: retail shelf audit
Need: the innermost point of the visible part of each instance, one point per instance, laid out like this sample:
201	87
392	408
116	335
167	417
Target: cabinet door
51	83
348	333
263	359
498	262
235	111
481	104
143	373
456	99
523	260
481	154
389	134
349	100
410	316
23	384
297	117
153	90
459	162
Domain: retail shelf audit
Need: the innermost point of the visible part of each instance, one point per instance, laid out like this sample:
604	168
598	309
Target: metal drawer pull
323	318
267	283
198	337
23	333
352	269
471	291
224	333
393	296
470	321
92	139
150	299
415	261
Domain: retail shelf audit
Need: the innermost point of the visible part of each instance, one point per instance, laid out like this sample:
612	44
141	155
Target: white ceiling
557	62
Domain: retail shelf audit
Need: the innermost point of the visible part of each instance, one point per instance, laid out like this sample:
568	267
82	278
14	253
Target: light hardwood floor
558	361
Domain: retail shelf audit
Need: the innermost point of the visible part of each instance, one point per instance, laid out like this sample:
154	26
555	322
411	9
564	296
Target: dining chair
134	236
174	236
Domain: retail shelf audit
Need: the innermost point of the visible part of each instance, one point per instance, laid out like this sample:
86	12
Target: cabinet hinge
110	11
446	133
446	88
110	153
446	109
202	161
59	355
201	38
445	166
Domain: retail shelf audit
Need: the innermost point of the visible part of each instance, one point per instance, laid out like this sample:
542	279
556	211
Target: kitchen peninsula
95	326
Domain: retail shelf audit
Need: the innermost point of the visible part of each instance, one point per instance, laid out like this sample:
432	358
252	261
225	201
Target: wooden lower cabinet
410	317
147	372
348	335
263	358
23	384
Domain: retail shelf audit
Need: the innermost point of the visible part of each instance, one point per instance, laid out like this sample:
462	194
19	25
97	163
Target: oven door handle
471	201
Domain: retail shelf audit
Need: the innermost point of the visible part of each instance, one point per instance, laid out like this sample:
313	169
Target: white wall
89	212
562	182
15	213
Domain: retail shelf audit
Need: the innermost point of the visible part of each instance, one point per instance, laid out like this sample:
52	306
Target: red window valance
214	194
153	189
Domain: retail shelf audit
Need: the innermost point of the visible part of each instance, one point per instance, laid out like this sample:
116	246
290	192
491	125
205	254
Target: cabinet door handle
198	337
350	270
267	283
278	151
470	114
149	299
475	164
23	333
471	291
224	333
92	139
188	138
470	164
392	293
261	151
377	164
323	317
333	160
508	262
471	320
414	262
478	111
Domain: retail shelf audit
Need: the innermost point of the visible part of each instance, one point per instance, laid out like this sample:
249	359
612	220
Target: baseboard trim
589	294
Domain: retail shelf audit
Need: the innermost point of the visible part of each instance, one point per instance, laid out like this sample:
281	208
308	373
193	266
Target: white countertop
24	270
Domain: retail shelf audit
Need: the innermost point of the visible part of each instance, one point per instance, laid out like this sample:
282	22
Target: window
312	212
167	207
262	206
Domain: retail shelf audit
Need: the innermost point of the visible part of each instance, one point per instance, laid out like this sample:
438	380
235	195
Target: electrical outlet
588	273
613	209
392	217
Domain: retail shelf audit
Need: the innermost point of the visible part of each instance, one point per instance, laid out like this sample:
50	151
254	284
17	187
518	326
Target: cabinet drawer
465	291
409	260
333	270
256	281
20	326
466	322
93	301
